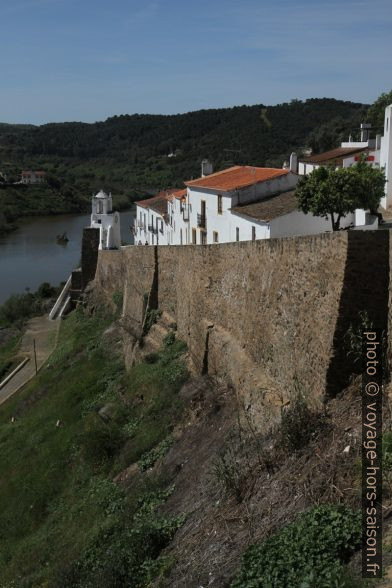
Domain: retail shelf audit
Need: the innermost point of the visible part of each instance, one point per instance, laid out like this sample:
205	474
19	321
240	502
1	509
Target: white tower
386	157
107	221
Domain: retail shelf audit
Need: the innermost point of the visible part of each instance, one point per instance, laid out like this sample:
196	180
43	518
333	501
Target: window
237	234
219	203
215	237
100	207
203	237
181	236
194	236
253	233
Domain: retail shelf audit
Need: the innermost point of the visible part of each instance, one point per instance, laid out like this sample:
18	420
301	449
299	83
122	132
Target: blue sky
89	59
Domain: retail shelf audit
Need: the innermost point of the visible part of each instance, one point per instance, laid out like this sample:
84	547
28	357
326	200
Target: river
30	255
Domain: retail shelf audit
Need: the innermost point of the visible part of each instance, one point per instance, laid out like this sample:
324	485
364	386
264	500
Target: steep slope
153	478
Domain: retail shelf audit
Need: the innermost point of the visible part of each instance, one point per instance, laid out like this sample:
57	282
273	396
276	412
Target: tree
376	112
335	193
370	188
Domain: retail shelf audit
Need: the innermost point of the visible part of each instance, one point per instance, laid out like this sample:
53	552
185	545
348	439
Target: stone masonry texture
268	317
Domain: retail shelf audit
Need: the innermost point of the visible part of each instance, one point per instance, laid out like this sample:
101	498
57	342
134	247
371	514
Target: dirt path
44	332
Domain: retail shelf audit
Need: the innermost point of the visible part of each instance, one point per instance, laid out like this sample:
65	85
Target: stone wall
89	257
267	316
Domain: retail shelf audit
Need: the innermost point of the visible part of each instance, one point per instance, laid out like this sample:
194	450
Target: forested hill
131	151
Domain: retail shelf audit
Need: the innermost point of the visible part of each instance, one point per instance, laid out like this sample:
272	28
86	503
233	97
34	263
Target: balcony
202	221
152	229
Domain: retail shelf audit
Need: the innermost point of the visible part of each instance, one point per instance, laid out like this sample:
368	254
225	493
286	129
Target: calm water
30	255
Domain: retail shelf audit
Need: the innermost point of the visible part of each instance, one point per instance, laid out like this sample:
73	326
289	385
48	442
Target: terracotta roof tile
333	155
269	208
157	203
239	176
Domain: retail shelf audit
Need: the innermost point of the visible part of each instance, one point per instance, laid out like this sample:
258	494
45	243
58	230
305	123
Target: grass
63	521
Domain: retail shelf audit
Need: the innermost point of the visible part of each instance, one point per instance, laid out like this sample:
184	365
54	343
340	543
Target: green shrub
118	299
151	357
152	316
307	553
151	457
45	290
127	552
353	336
169	339
297	425
100	440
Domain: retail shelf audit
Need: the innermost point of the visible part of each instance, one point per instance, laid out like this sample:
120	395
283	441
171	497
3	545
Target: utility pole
35	357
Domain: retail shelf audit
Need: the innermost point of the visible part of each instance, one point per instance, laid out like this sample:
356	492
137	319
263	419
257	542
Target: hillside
151	479
228	453
128	154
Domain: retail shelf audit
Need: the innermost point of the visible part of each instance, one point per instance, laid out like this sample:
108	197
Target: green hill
135	155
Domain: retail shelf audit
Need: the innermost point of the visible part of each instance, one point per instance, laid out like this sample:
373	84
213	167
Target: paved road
44	332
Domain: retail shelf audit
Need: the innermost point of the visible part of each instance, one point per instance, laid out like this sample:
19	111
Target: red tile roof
334	155
179	193
239	176
269	208
30	173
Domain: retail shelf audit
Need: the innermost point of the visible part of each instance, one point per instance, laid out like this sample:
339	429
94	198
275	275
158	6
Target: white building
386	157
203	212
210	201
377	152
243	202
339	157
107	221
33	177
154	220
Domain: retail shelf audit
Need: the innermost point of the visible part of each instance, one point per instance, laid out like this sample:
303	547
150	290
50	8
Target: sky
86	60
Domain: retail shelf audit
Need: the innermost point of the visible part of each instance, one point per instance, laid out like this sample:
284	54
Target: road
44	332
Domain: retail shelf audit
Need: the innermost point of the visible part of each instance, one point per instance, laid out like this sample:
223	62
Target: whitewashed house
107	221
155	222
348	154
386	157
33	177
211	199
244	202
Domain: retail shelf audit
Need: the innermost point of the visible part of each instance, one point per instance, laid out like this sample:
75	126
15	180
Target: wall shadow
365	288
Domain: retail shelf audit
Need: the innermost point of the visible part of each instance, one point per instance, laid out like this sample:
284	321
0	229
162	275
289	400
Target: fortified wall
269	317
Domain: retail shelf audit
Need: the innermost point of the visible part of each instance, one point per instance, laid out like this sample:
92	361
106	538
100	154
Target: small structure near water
103	233
107	221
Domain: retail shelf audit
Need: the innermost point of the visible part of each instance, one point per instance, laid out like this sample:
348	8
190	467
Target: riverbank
31	254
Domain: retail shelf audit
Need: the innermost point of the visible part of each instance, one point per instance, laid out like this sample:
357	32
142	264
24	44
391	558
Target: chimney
206	168
365	132
293	162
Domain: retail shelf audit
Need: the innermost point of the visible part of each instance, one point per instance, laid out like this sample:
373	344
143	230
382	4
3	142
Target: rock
107	412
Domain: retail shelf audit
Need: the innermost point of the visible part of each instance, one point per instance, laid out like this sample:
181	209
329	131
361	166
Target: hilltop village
244	203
